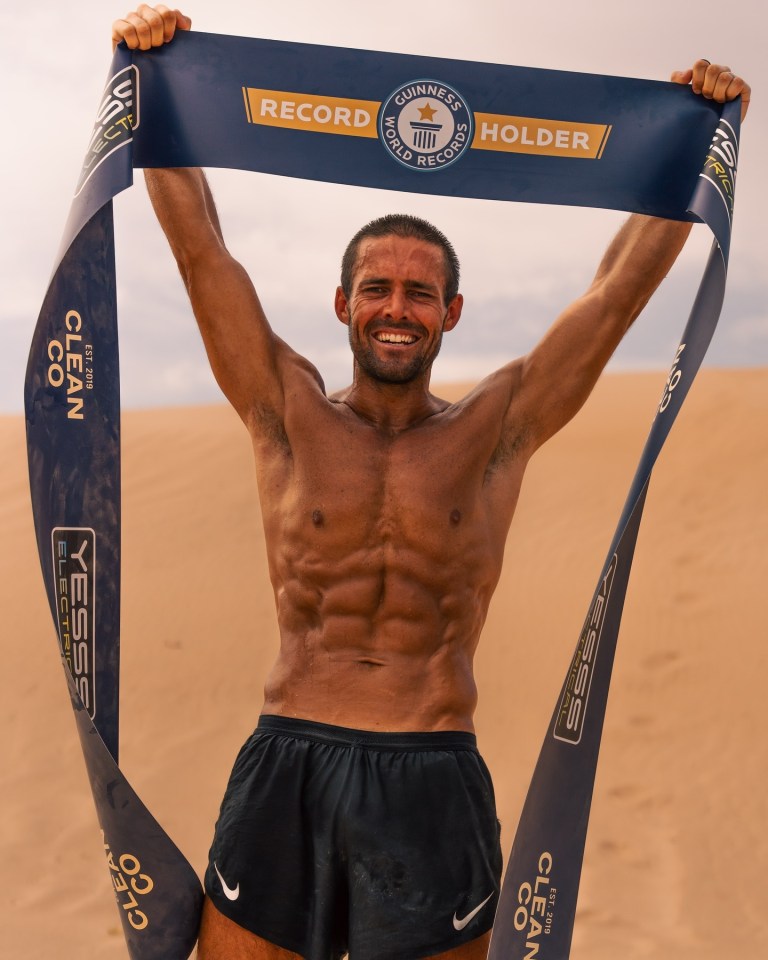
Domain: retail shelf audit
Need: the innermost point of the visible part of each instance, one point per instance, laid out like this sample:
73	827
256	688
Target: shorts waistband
346	736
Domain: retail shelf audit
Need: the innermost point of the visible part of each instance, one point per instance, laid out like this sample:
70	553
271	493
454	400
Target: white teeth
395	337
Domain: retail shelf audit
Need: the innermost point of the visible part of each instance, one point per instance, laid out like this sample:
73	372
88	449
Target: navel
370	662
317	518
455	517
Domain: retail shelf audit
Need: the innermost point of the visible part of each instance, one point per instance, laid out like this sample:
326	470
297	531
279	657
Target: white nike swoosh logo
229	893
460	924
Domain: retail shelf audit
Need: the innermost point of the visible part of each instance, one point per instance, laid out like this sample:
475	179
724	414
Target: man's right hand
149	27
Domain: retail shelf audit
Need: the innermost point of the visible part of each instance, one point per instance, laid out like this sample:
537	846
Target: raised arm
247	359
551	384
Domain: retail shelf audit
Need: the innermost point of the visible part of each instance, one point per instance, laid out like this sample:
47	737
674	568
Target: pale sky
521	263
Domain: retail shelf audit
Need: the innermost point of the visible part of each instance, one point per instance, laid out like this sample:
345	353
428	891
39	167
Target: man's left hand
715	82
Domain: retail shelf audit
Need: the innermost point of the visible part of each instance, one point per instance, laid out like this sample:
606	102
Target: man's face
396	311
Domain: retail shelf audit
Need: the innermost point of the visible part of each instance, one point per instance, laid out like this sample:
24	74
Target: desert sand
677	851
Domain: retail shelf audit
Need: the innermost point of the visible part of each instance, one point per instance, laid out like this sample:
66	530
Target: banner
406	123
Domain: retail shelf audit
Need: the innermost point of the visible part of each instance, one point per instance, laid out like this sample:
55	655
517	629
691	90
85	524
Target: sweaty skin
385	536
386	509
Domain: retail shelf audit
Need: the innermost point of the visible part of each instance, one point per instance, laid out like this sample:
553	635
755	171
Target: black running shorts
383	845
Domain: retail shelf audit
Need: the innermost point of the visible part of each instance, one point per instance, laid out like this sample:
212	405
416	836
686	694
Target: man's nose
396	307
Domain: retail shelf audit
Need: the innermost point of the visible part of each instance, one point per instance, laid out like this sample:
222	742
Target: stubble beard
403	370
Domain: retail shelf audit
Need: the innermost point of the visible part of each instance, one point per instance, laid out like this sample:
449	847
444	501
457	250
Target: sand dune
677	852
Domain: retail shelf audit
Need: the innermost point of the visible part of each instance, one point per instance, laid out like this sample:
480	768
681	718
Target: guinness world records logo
425	125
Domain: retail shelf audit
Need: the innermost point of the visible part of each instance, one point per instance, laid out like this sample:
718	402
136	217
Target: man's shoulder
299	373
497	388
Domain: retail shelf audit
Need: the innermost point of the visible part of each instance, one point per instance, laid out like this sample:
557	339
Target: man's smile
390	336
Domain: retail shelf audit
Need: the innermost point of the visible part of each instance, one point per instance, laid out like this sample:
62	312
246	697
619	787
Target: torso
384	551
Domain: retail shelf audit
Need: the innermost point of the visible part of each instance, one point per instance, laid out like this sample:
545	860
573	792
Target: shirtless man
359	816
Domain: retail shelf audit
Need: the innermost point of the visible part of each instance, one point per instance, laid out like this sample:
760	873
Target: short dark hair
402	225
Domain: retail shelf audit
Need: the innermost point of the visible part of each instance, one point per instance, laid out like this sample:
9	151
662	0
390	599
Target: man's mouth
387	336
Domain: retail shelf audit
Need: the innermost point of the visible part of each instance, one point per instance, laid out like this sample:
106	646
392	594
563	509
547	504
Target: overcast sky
521	263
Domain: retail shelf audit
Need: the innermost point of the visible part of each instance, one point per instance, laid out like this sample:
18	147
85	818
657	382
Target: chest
403	483
429	483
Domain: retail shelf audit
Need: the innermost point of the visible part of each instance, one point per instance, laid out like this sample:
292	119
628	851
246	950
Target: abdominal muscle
378	645
394	692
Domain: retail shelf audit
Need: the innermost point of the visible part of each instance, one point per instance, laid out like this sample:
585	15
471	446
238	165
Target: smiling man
359	817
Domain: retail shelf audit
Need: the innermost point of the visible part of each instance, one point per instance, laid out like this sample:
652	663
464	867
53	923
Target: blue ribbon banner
404	123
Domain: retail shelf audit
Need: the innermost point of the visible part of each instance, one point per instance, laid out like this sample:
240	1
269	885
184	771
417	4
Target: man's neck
391	407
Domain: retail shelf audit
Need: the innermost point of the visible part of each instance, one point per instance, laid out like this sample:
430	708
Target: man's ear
453	313
341	306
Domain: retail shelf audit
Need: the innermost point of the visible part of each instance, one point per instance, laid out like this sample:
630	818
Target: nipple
317	518
455	517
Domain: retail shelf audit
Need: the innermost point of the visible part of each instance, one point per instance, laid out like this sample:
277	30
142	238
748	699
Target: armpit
267	424
515	438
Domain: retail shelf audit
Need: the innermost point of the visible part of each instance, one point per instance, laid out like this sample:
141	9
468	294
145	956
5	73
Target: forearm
184	207
638	259
562	370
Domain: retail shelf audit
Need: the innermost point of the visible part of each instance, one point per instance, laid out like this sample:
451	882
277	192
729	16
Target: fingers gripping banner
398	122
